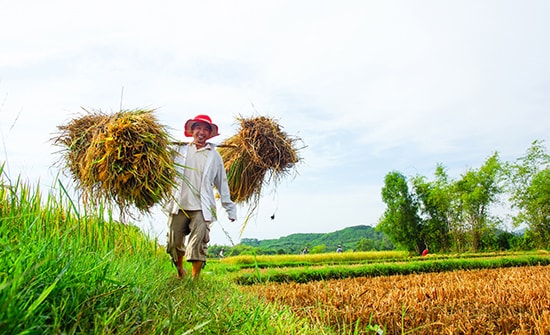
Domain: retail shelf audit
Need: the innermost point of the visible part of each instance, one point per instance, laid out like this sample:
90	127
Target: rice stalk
123	158
259	154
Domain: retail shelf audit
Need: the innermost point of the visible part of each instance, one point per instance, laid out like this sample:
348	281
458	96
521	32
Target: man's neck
199	145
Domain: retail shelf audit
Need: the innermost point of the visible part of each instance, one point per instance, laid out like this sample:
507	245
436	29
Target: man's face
201	132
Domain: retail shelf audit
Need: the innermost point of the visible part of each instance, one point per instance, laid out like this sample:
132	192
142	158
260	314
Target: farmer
339	248
192	207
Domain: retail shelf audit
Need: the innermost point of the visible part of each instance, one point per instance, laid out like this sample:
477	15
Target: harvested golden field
495	301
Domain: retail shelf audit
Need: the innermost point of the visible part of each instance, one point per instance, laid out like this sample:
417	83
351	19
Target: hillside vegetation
357	238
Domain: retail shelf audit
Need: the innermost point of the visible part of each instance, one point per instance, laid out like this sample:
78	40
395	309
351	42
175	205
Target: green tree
318	249
435	203
242	249
366	244
400	221
476	191
529	187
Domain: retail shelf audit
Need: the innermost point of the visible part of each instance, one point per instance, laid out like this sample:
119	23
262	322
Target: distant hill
347	238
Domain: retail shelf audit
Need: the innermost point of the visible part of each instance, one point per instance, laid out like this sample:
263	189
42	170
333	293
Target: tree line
457	215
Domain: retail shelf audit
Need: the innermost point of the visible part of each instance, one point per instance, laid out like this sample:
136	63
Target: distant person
221	254
425	252
192	206
305	251
339	248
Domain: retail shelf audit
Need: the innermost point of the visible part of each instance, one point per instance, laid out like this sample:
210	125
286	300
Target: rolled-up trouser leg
178	228
197	246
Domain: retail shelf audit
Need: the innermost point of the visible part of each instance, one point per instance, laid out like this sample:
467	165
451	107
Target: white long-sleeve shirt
213	175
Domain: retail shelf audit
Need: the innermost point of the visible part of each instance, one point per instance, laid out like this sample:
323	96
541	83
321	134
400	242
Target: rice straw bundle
258	154
123	158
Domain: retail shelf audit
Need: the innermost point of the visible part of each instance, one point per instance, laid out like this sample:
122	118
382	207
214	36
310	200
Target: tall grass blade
46	292
197	327
70	199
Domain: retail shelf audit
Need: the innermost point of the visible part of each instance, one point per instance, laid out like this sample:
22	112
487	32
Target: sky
369	87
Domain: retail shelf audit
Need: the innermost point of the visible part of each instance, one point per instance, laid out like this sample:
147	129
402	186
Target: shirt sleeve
223	187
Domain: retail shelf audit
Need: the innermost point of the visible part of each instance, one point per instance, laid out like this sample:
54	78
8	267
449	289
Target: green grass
64	270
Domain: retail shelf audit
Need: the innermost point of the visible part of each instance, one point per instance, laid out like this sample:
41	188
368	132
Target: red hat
200	118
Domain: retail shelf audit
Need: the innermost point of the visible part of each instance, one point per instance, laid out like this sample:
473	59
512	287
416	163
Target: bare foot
181	272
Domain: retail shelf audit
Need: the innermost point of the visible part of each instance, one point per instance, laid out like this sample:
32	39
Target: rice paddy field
67	270
68	267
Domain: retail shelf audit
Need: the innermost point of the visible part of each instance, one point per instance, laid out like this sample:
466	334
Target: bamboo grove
458	215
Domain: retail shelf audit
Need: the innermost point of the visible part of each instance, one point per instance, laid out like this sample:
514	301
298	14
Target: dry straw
258	154
123	158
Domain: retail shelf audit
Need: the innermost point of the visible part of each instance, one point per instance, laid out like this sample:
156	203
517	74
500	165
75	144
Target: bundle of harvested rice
258	154
123	158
